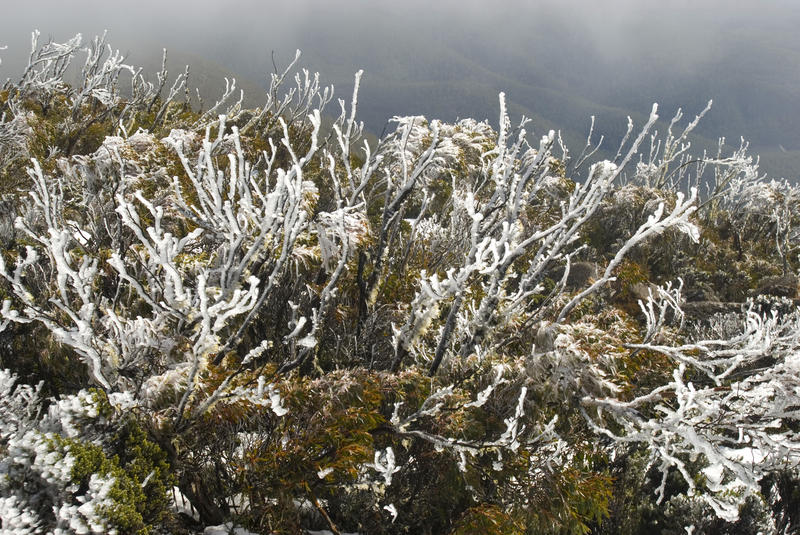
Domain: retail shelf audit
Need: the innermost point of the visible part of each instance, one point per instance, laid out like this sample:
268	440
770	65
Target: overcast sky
613	55
198	17
686	32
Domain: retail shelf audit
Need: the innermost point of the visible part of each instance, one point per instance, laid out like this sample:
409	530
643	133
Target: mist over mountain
558	62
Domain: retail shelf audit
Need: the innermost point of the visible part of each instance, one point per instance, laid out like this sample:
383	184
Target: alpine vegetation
257	320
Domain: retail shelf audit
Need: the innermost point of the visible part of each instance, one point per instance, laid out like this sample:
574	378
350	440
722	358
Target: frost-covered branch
655	224
734	402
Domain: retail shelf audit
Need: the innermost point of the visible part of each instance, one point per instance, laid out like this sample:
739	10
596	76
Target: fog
558	61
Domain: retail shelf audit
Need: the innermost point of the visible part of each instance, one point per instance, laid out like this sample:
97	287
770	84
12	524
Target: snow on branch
734	402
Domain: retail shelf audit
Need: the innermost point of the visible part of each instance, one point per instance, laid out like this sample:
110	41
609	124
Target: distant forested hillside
560	73
559	62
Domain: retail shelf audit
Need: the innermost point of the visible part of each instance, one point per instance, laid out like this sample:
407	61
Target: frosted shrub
300	329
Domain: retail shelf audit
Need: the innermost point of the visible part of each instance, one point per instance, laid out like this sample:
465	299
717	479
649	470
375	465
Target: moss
125	494
143	461
142	477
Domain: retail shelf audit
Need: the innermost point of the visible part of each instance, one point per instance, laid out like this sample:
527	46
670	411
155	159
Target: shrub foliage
257	319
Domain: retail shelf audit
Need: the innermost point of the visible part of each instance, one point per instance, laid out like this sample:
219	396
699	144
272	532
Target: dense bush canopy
257	320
